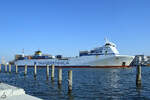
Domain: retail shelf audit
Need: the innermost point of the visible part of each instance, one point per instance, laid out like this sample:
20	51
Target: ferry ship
105	56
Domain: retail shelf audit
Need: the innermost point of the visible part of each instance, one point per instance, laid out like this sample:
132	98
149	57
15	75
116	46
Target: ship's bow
113	61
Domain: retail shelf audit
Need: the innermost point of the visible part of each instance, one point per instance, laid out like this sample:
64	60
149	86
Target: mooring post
59	76
35	70
70	80
52	72
138	75
0	67
25	70
47	71
16	68
9	68
5	67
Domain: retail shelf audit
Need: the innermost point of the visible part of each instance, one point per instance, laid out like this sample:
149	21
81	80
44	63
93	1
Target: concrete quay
8	92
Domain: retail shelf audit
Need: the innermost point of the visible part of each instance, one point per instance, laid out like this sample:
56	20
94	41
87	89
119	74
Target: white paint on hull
100	60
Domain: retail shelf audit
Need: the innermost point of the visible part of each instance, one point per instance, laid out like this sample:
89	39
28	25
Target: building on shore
145	60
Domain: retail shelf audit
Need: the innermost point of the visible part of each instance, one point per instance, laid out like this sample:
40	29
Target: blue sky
67	26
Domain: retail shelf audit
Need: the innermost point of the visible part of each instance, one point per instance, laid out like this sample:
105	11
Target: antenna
23	52
106	40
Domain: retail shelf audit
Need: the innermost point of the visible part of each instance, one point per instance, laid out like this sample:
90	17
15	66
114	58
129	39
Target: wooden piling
52	72
5	67
138	75
70	80
47	71
25	69
0	67
59	76
9	68
35	70
16	69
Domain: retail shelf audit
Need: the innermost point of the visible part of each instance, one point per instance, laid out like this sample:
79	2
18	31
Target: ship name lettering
53	62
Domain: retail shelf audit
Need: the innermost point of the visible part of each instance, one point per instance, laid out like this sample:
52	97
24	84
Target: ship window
105	52
107	44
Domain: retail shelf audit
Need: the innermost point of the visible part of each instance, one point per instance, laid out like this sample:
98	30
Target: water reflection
89	84
114	78
70	96
60	87
52	82
34	77
138	89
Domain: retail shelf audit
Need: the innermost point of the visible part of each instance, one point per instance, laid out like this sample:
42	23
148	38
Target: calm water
88	84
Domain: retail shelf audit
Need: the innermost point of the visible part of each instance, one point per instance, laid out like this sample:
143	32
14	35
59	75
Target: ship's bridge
110	44
108	49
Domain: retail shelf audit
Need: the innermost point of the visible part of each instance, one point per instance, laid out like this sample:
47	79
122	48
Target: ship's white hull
83	61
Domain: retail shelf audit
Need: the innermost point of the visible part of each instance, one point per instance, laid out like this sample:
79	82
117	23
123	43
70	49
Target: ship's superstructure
108	49
105	56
